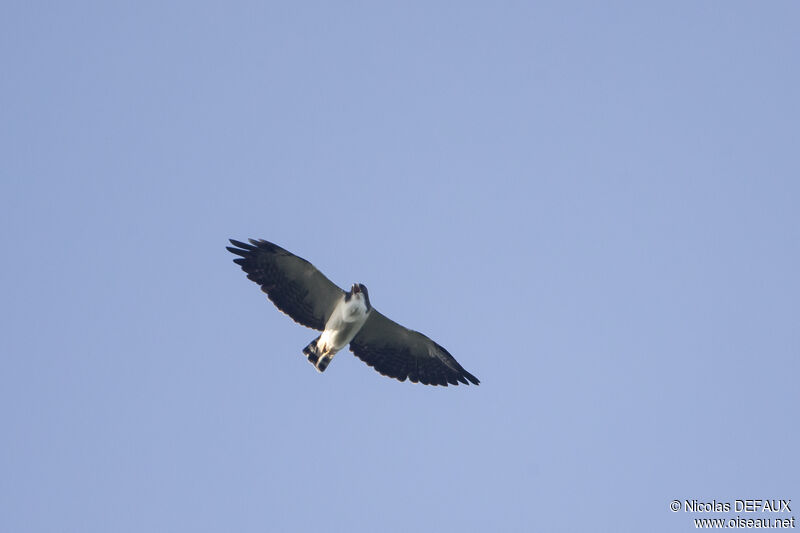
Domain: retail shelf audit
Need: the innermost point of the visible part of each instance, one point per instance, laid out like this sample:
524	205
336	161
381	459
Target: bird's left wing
293	284
401	353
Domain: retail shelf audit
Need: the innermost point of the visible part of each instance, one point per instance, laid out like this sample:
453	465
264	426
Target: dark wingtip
240	244
238	251
473	379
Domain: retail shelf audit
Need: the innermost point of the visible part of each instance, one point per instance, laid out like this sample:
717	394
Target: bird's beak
356	288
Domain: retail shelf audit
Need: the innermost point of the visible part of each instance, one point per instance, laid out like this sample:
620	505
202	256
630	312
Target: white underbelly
334	339
344	324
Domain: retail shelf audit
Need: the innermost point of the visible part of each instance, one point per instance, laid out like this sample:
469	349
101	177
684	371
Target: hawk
301	291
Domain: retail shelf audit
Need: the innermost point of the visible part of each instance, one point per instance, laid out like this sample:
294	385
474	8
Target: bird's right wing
293	284
403	353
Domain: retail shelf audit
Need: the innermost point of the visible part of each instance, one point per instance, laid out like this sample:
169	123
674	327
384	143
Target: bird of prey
301	291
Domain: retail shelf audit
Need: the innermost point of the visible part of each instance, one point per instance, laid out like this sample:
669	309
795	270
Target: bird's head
359	290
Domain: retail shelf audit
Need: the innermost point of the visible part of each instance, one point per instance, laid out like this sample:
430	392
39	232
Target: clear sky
593	206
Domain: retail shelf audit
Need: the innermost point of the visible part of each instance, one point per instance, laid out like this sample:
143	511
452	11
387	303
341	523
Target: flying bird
301	291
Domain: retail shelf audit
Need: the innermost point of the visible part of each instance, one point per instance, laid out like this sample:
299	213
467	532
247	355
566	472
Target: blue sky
593	207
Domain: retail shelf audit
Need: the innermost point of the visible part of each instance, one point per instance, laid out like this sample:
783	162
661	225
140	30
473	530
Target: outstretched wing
293	284
402	353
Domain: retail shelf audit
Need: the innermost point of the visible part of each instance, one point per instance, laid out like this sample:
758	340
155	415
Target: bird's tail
319	361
